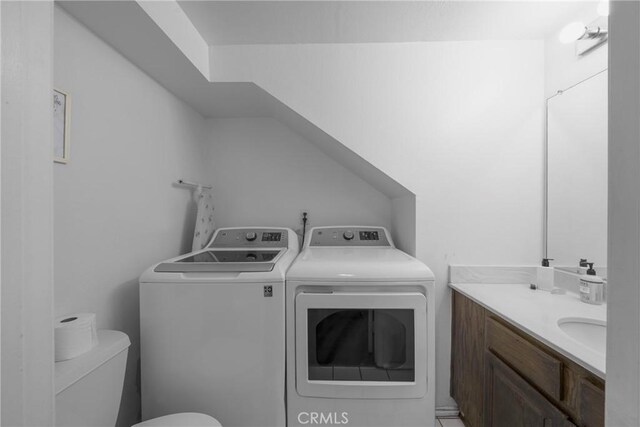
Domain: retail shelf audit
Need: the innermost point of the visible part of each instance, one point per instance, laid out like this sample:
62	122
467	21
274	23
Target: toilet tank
89	387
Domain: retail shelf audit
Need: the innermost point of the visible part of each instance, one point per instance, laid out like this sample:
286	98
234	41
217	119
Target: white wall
265	174
403	226
458	123
116	211
623	296
26	226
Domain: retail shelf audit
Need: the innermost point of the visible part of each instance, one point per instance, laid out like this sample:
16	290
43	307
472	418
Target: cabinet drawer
534	364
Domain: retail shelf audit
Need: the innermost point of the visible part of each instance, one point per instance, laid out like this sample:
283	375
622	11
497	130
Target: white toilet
89	388
190	419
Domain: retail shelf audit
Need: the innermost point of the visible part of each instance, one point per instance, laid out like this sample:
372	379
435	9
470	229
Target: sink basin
589	332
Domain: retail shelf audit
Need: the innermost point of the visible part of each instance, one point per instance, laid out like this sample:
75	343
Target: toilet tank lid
110	344
183	419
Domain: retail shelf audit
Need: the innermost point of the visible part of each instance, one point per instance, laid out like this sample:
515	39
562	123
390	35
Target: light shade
572	32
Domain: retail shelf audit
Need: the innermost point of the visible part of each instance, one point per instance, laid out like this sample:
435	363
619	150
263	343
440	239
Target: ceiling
292	22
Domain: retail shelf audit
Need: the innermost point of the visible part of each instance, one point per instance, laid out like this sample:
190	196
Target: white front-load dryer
212	328
360	332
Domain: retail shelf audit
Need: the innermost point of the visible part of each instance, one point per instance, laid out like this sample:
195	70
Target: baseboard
447	412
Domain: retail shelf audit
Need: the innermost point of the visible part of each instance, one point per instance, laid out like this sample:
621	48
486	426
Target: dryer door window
361	344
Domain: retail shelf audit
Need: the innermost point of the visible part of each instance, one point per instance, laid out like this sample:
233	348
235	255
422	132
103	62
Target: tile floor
450	422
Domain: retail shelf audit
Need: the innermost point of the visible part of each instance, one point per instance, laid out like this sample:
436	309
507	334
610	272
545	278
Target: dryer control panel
250	237
350	236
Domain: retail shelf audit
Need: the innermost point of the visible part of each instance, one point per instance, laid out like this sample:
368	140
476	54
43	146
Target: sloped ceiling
129	30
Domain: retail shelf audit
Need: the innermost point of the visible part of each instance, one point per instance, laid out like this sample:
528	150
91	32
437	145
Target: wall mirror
576	184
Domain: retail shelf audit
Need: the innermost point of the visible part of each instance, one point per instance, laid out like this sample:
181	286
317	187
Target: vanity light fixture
587	38
578	31
572	32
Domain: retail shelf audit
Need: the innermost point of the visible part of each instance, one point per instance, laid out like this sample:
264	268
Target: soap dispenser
545	275
591	287
583	266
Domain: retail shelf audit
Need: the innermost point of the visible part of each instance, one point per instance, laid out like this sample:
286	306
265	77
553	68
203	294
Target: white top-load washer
360	332
212	329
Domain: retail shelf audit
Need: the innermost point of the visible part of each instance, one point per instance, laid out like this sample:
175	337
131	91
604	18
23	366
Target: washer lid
215	260
357	264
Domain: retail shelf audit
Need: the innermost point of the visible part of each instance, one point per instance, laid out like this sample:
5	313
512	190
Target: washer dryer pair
360	332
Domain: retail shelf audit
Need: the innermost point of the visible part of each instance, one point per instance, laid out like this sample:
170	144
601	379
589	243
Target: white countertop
537	312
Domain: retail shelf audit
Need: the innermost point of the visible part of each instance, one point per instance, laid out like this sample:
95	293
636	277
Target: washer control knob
250	236
348	235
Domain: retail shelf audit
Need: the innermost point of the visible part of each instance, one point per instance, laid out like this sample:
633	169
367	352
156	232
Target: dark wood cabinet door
467	358
591	404
509	401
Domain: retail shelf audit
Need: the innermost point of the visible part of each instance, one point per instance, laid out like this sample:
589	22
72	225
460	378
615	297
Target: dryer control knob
348	235
250	236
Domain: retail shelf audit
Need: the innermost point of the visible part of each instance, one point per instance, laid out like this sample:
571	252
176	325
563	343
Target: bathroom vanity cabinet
503	377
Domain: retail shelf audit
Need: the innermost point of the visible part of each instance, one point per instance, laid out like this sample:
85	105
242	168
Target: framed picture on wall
61	117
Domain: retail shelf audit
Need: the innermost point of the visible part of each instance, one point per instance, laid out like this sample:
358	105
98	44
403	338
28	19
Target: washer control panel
250	237
349	236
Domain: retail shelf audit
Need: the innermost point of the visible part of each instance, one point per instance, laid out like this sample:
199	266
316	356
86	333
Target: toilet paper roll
74	335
